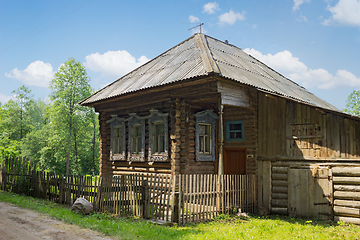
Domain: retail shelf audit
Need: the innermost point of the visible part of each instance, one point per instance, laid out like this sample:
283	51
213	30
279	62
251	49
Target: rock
83	206
242	214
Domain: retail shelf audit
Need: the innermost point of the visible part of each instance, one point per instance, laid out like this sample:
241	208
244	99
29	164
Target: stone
83	206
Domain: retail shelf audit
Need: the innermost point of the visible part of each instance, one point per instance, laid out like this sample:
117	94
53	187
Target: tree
353	103
70	121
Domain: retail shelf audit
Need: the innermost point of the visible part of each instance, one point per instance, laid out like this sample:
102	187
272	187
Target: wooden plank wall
288	128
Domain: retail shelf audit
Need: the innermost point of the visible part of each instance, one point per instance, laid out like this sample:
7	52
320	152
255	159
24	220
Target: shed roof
201	55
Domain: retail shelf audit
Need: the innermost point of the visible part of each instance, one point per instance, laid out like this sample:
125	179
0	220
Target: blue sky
314	43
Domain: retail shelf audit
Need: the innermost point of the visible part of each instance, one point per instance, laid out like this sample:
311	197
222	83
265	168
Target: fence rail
183	198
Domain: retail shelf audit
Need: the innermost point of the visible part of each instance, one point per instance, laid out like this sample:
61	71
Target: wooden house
205	106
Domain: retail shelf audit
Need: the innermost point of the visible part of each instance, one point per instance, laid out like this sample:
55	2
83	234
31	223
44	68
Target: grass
223	227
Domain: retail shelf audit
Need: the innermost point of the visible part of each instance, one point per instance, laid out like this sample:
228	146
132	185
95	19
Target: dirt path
20	223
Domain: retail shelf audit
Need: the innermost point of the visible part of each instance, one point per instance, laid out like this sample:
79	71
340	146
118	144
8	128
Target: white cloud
4	98
297	4
290	66
211	7
231	17
345	12
37	73
193	19
113	64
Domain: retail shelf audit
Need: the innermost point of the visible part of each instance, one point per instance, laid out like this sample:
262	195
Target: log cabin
206	106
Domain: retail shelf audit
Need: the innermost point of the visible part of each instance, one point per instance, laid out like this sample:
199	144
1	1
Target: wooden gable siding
288	128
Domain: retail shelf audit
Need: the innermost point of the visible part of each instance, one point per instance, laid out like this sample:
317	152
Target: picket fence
184	198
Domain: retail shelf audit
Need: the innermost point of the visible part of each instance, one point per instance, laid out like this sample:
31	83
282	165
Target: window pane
139	147
207	129
207	144
158	129
201	143
120	146
161	144
115	146
154	146
235	127
202	129
136	130
133	145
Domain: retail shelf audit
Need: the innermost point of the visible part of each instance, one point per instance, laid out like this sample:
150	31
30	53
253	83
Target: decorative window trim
208	117
158	117
134	119
115	121
228	139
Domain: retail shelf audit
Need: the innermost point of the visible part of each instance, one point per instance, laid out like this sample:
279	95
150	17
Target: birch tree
69	86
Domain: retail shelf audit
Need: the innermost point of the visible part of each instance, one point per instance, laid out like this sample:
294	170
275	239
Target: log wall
347	194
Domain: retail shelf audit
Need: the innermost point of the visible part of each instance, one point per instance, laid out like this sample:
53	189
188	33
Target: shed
206	106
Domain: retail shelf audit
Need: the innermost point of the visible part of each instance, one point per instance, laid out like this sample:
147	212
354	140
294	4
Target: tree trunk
76	158
67	160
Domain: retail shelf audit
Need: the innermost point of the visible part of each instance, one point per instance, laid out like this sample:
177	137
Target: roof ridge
206	55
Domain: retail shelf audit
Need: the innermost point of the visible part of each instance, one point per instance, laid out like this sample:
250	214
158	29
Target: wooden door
310	192
234	161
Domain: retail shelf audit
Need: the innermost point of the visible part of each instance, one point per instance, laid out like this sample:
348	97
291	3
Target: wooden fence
203	196
164	197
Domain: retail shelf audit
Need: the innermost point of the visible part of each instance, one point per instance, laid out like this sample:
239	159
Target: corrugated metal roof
200	55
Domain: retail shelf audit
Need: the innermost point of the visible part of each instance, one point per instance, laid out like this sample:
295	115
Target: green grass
224	227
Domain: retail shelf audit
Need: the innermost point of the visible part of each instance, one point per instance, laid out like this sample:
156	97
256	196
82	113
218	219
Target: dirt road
19	223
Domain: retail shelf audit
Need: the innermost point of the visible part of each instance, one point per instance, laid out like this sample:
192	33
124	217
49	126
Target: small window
118	140
117	144
205	135
204	138
158	136
235	131
136	139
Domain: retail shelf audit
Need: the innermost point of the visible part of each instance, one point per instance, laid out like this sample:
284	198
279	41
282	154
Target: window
118	140
235	130
117	143
158	136
136	138
136	146
205	135
204	138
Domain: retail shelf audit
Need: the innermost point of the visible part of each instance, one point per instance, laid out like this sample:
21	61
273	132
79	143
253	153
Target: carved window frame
156	117
116	122
133	120
206	117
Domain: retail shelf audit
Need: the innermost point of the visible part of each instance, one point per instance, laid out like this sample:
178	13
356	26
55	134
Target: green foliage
9	151
353	103
72	123
49	134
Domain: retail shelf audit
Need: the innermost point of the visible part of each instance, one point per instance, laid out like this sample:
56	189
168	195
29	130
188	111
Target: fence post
175	209
175	204
145	194
4	173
